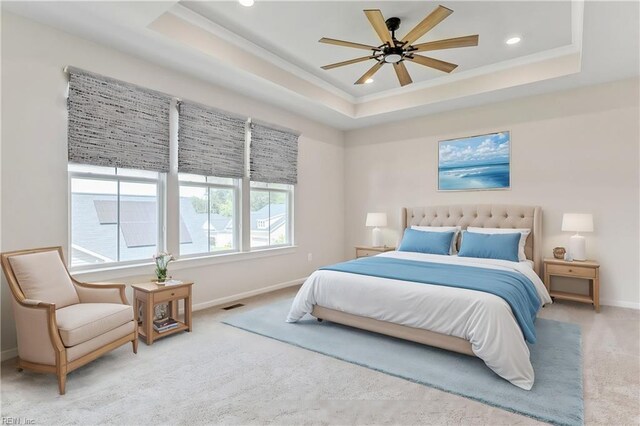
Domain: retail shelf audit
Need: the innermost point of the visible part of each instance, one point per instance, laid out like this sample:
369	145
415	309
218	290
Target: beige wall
34	178
573	151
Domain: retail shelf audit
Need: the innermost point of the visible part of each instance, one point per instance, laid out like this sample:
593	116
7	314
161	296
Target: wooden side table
589	270
364	251
150	294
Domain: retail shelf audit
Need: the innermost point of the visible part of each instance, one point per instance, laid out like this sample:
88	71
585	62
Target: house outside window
271	215
208	215
115	215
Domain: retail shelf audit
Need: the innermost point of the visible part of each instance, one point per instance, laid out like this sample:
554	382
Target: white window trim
113	271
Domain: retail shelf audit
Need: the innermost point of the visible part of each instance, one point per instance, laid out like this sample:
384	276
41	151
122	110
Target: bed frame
478	215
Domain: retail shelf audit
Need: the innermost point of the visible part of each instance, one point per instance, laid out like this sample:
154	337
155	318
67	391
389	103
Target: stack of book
164	324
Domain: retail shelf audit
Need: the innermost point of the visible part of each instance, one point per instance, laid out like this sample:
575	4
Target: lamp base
377	237
577	247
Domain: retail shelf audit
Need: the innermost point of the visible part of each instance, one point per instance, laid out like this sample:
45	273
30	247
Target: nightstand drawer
366	253
171	293
578	271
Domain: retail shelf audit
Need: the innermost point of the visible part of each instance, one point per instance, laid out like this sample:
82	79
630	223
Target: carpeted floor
220	374
556	396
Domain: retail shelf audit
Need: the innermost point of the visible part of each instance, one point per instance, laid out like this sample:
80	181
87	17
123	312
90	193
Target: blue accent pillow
490	246
426	242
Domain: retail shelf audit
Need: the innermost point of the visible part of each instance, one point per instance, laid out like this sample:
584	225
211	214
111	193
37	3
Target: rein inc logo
17	421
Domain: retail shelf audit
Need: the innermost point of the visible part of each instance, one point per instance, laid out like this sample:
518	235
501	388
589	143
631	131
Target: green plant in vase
162	262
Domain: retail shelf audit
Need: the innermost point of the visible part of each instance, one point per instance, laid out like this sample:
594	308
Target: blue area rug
556	396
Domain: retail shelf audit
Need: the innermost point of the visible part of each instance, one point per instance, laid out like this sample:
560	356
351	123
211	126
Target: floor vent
237	305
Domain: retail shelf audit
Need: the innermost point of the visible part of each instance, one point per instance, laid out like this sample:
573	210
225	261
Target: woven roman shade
274	155
117	124
211	142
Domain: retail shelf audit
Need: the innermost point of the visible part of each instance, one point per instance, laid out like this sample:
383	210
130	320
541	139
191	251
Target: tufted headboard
484	216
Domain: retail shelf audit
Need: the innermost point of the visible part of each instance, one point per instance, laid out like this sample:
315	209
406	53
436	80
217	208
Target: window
115	214
208	214
271	213
120	213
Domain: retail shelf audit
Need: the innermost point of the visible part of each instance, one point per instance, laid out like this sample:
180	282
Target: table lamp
577	222
376	220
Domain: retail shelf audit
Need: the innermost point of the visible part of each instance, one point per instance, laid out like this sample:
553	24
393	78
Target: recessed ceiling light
246	3
368	81
513	40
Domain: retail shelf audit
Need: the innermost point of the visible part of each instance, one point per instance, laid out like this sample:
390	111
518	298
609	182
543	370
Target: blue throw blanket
515	288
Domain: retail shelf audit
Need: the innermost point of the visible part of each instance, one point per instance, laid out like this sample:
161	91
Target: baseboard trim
620	304
8	354
236	297
13	352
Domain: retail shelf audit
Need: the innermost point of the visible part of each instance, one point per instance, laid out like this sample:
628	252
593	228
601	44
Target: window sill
147	268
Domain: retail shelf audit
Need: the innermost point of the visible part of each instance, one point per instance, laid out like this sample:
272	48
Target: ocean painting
476	162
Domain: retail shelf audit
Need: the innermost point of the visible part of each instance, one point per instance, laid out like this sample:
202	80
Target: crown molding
195	18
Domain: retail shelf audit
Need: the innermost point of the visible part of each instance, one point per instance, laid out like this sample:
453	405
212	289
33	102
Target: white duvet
483	319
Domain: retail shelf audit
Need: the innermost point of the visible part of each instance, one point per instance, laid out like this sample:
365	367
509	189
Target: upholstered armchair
63	324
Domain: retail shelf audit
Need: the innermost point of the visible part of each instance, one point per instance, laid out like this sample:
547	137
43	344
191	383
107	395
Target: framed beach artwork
475	163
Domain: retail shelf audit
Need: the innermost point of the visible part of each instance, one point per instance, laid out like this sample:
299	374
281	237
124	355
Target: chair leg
62	382
134	343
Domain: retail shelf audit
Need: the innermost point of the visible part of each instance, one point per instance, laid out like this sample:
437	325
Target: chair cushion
84	321
42	276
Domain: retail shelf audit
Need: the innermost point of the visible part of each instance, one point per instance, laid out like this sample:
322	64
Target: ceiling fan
395	52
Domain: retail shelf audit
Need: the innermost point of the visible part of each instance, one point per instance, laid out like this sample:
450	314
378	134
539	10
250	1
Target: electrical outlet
310	257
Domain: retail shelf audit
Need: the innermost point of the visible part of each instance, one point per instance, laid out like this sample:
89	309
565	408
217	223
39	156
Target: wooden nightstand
150	294
588	270
364	251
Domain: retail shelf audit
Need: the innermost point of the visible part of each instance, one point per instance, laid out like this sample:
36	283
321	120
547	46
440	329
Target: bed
467	321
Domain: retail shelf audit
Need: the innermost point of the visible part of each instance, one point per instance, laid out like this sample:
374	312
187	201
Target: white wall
572	151
34	161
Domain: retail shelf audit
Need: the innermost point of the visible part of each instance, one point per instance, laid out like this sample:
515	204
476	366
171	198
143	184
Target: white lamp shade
376	219
577	222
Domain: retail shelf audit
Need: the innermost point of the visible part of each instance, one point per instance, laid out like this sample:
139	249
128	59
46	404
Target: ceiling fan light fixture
513	40
393	58
396	52
246	3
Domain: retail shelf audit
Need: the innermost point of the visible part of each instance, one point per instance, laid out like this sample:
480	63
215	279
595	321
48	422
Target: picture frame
475	163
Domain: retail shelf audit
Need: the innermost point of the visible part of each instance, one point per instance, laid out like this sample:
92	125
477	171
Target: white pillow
524	233
454	229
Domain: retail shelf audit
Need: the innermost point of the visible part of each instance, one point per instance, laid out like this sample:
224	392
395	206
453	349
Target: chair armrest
101	293
37	331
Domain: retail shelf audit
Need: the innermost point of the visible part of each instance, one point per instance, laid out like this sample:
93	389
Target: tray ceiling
291	30
271	52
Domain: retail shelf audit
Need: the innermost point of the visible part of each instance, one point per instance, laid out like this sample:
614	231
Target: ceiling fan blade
433	19
377	21
347	44
449	43
367	75
432	63
349	62
403	75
